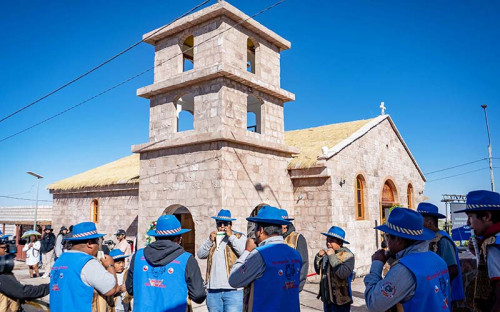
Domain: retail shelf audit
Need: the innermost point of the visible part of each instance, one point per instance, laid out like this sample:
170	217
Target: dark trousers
330	307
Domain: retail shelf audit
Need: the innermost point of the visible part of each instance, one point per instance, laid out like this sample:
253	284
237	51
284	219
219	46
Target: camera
7	261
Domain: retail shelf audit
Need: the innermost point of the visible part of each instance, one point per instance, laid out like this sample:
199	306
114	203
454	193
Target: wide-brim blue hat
285	215
224	215
406	223
428	209
269	215
117	254
336	232
84	230
167	225
482	201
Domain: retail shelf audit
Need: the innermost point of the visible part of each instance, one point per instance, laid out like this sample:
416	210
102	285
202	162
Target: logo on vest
61	275
145	268
280	272
388	290
155	283
170	271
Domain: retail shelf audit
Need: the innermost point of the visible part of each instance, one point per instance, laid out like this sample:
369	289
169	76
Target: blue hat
224	215
117	254
406	223
481	201
84	230
285	215
336	232
428	209
167	225
269	215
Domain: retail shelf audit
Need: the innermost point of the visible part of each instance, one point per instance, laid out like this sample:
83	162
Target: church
217	140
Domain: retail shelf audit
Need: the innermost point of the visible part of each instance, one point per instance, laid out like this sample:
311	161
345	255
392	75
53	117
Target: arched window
95	210
188	54
185	112
409	195
253	114
250	56
360	198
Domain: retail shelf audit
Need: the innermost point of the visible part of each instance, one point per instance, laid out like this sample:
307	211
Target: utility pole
38	177
489	148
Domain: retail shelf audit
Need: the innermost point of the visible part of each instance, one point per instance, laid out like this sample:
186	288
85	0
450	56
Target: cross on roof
382	107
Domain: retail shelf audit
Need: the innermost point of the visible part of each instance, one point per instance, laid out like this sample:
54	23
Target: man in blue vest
271	271
77	272
418	280
163	276
483	216
443	245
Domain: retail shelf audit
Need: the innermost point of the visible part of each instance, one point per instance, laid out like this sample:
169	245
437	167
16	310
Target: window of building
360	198
254	108
94	210
188	54
250	56
409	195
185	113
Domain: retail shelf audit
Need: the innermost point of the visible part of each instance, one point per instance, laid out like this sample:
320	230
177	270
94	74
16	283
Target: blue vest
457	287
278	287
432	292
160	288
67	290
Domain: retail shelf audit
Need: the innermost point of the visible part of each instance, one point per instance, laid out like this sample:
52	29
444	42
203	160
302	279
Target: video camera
7	261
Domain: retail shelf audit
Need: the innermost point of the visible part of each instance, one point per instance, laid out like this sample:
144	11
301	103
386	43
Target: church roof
121	171
312	140
315	144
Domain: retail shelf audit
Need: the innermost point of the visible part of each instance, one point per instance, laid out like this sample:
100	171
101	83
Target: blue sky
432	62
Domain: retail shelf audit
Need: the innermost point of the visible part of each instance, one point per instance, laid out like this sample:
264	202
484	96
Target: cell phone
100	255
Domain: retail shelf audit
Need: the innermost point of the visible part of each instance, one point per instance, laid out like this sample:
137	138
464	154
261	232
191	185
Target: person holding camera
77	272
32	250
11	291
123	245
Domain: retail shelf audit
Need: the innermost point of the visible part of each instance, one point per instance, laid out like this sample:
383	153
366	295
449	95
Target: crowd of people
268	271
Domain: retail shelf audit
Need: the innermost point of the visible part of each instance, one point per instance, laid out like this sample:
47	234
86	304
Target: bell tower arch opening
184	107
254	114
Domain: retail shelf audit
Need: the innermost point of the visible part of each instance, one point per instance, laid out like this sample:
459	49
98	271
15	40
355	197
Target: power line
456	175
461	165
140	74
18	198
100	65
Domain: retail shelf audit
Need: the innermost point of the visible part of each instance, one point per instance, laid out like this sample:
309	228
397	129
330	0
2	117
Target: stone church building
217	140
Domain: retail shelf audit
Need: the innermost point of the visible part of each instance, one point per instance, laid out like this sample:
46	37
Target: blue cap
336	232
269	215
117	254
223	215
406	223
482	201
428	209
84	230
167	225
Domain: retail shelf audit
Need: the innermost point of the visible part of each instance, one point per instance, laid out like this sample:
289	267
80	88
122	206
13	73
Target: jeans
330	307
225	300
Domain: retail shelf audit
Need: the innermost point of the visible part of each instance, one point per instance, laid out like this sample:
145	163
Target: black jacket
48	242
161	253
11	287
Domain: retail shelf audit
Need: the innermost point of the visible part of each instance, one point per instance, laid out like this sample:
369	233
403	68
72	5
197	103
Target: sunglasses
222	223
3	247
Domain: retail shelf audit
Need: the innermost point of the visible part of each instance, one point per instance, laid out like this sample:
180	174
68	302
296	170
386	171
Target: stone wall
118	210
379	155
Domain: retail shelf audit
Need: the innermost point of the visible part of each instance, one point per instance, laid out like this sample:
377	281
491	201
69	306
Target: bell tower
216	130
